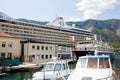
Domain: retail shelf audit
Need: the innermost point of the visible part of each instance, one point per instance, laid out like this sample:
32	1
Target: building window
50	47
46	47
9	56
46	56
42	48
10	44
3	55
33	56
38	56
50	56
33	47
42	56
3	44
38	47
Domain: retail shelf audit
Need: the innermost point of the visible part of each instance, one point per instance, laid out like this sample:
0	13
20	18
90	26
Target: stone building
37	52
9	46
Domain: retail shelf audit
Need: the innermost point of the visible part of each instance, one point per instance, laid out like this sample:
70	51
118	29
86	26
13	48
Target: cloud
92	8
73	19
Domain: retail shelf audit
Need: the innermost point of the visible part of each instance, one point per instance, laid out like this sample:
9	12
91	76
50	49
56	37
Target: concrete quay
25	66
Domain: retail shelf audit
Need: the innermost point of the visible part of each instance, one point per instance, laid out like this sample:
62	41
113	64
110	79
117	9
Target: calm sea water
28	75
17	76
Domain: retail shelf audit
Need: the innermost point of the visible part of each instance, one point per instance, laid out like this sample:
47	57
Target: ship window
85	48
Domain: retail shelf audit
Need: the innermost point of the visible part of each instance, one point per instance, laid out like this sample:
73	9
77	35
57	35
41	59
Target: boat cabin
92	68
53	70
94	62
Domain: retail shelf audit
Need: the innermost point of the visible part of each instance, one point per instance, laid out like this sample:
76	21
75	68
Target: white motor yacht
53	70
92	68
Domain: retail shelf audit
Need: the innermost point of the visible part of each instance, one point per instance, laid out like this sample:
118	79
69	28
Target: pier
22	67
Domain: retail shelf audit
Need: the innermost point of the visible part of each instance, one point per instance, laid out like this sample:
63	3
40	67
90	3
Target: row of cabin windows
41	47
4	44
42	56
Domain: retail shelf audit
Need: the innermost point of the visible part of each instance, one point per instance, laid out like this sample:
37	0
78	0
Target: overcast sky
72	10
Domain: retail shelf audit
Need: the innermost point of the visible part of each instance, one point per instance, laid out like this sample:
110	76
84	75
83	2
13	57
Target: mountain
32	21
109	30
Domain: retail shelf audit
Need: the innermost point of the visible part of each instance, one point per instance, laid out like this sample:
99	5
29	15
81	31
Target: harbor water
17	76
27	75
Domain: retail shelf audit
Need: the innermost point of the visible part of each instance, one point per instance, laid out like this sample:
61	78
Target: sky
70	10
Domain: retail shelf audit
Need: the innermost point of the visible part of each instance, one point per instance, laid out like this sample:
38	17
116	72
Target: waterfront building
37	52
9	46
56	33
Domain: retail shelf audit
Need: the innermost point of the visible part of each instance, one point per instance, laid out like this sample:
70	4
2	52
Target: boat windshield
49	67
54	67
57	67
104	63
81	62
92	63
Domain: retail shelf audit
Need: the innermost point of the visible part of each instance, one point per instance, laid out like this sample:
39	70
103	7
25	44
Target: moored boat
92	68
53	70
